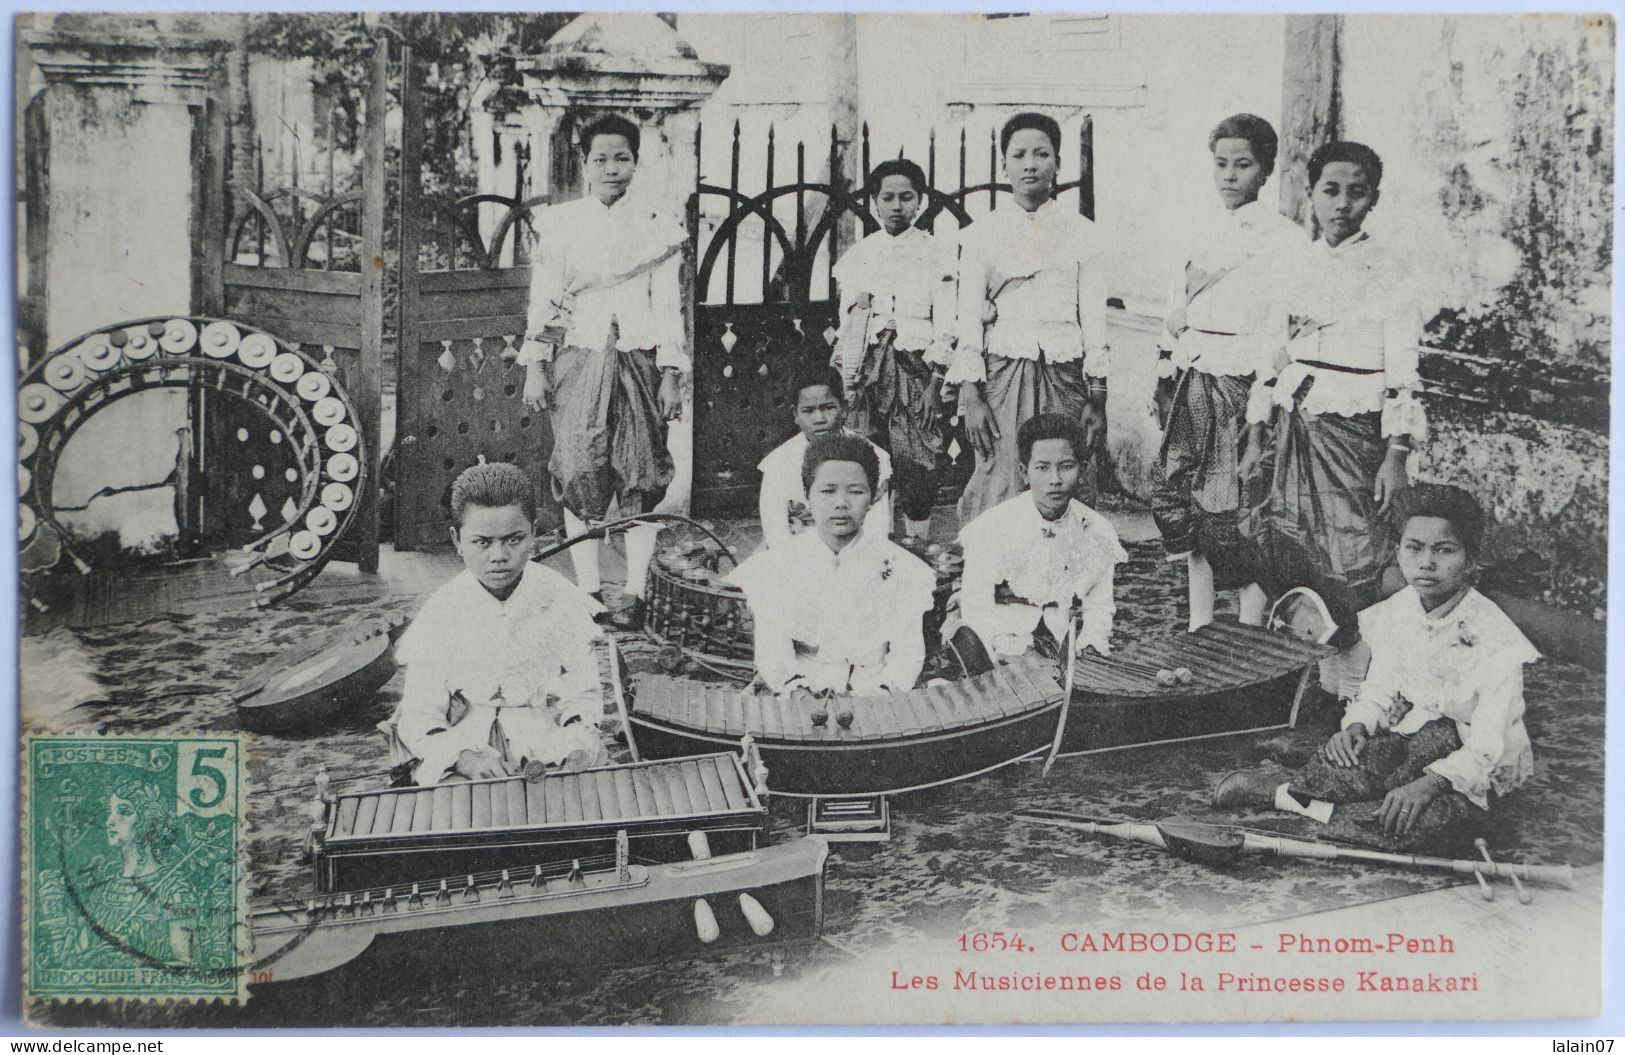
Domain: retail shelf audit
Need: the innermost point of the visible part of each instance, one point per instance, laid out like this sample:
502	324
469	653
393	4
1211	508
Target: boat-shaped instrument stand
1224	679
653	860
589	910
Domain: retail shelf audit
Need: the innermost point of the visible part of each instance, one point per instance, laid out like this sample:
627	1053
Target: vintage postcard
596	518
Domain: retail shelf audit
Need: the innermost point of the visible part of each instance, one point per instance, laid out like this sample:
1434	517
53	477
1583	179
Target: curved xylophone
291	392
932	735
1222	679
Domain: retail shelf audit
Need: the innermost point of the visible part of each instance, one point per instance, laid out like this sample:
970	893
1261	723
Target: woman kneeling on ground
1437	732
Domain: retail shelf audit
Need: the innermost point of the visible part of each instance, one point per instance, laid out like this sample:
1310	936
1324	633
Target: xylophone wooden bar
554	805
499	805
422	814
713	786
944	705
772	717
732	790
480	806
683	704
661	790
886	717
597	792
625	794
384	820
694	786
366	814
598	798
462	803
518	810
750	706
573	811
347	812
714	720
615	788
699	700
907	715
535	803
923	707
1026	692
643	792
982	699
680	800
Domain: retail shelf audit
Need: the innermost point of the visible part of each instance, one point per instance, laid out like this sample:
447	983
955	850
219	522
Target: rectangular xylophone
400	835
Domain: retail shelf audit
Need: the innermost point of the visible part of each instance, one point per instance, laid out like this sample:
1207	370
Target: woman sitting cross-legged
837	609
1437	732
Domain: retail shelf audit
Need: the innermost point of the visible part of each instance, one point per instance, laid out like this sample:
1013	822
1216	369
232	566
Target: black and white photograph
811	519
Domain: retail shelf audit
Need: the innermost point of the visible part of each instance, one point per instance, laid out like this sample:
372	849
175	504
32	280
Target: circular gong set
306	409
692	611
701	619
947	560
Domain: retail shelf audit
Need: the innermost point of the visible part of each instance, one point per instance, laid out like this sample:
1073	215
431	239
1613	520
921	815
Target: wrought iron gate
744	348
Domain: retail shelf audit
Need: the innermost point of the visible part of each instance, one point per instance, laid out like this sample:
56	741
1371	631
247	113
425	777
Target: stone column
631	64
122	120
121	200
635	65
1310	105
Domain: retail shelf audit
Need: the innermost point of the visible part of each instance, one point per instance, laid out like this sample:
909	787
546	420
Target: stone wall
120	200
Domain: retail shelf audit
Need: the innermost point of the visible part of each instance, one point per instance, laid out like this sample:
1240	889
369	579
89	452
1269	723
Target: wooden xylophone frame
1244	680
582	824
917	740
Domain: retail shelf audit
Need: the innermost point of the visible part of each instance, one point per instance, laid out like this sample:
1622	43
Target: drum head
1301	613
1203	843
318	686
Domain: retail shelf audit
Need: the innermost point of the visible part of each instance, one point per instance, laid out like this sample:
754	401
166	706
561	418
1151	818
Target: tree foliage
458	54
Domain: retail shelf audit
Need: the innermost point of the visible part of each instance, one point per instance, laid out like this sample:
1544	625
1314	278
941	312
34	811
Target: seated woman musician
501	672
838	609
1437	733
818	403
1038	560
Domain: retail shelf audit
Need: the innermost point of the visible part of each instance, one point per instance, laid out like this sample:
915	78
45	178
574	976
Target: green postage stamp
133	880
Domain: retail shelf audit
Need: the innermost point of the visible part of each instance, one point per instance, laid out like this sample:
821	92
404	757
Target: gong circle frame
184	365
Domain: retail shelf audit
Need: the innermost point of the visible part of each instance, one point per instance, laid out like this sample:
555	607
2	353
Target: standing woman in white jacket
605	349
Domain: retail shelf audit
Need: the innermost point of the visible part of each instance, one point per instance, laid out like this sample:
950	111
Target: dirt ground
955	860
